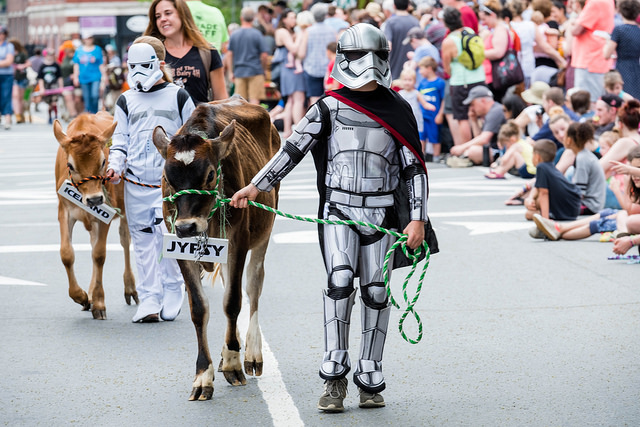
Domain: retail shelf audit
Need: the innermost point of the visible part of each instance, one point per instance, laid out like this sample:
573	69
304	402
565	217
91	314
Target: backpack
205	56
472	54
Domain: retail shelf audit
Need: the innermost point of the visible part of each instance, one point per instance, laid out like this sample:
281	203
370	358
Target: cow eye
70	166
210	177
103	163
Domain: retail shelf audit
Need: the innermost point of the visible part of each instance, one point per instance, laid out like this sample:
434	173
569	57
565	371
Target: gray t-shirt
247	44
589	177
492	122
395	30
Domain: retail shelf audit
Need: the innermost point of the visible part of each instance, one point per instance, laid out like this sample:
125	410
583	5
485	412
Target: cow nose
95	201
186	230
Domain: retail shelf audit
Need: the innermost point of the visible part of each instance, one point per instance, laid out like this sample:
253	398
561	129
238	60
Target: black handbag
507	70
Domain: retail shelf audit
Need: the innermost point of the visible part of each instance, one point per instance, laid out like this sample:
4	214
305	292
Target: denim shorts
604	223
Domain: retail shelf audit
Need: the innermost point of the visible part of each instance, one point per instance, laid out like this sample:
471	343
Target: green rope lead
402	242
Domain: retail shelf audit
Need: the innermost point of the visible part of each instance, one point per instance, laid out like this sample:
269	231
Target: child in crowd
581	104
153	100
553	196
628	220
588	174
614	84
432	89
606	141
415	100
329	82
518	154
50	77
605	221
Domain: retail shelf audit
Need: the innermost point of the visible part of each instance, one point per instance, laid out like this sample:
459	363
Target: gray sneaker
536	233
370	400
547	226
334	393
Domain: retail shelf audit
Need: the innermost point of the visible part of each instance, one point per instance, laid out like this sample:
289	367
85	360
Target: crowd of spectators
578	88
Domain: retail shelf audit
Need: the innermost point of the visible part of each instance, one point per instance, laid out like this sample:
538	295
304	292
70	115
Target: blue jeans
6	86
90	96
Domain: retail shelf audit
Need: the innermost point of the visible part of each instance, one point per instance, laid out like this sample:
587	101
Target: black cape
389	109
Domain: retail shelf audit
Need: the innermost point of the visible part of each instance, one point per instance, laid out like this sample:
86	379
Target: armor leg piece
368	375
337	315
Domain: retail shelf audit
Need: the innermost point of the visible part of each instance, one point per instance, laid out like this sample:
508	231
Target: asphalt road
516	331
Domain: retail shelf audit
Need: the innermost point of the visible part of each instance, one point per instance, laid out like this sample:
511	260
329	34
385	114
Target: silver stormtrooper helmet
144	67
362	56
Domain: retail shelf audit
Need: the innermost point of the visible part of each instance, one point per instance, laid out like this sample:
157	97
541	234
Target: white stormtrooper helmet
362	56
144	67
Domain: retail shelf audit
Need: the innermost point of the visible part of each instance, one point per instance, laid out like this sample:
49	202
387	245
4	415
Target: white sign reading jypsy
103	212
193	249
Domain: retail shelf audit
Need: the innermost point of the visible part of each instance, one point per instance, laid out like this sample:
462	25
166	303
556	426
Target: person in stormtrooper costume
360	165
152	101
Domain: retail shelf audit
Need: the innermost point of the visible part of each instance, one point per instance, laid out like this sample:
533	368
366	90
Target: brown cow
241	137
83	153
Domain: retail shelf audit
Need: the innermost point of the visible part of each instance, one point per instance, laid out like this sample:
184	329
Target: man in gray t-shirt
395	30
481	106
248	52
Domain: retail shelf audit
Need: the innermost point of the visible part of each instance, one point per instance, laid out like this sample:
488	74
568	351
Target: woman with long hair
20	80
292	84
187	50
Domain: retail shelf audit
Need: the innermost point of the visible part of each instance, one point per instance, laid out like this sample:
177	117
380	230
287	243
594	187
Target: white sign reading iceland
103	212
195	249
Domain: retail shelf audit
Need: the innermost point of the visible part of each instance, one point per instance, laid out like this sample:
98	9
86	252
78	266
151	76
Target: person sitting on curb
518	155
553	195
481	106
607	220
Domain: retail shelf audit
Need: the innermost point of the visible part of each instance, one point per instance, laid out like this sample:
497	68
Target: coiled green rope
402	242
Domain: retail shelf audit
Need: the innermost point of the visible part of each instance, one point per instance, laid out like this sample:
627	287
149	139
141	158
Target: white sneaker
536	233
172	303
547	226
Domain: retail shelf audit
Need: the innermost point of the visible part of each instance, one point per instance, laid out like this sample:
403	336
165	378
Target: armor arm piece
417	185
304	137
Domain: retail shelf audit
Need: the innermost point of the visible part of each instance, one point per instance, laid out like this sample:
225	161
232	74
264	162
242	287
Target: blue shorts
524	173
605	223
314	85
21	83
430	132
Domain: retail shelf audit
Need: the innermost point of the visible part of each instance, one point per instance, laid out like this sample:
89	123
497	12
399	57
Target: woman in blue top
6	76
88	72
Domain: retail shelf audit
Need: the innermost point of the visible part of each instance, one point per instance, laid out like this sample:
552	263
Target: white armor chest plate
363	157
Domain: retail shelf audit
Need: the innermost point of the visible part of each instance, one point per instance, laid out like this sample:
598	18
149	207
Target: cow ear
224	142
62	137
161	141
108	132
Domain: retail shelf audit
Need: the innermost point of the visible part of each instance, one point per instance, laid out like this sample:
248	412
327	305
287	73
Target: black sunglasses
354	55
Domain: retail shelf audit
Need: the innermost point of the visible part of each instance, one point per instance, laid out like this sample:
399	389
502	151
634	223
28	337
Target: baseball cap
612	100
477	92
414	33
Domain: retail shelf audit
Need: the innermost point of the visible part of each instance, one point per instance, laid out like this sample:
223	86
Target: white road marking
478	228
296	237
10	281
78	247
274	392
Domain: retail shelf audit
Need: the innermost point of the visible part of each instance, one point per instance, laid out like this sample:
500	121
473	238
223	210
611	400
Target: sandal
494	175
514	201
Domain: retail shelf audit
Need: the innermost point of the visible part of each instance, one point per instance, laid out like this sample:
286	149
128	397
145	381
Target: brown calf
239	136
83	153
